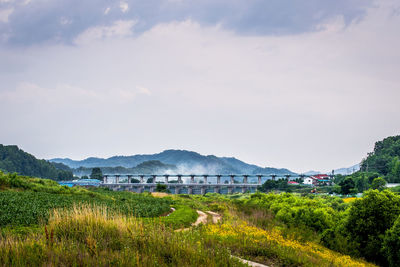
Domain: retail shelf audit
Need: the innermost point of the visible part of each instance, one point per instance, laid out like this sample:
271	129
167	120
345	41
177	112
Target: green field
43	223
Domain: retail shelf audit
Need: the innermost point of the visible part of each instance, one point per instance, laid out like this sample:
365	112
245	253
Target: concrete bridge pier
129	179
152	189
259	179
177	190
141	179
216	189
190	190
192	179
273	176
244	188
230	190
117	179
232	179
179	179
205	179
166	178
154	178
245	179
105	179
203	190
219	179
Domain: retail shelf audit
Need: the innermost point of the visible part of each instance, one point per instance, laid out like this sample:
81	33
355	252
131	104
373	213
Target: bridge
189	183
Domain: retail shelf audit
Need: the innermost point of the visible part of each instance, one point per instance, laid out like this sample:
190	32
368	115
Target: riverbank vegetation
43	223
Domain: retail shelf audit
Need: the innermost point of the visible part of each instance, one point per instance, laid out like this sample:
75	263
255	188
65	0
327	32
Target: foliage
385	159
369	218
316	213
347	186
96	174
378	183
161	188
13	159
391	244
250	241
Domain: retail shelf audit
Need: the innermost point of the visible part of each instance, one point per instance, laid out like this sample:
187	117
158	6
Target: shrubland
43	223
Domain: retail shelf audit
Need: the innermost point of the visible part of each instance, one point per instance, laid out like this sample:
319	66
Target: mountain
186	162
13	159
312	173
147	167
269	171
349	170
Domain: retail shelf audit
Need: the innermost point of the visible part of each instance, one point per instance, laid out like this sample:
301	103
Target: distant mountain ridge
343	171
186	162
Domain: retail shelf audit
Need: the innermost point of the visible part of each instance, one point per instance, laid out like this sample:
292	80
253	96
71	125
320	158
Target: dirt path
203	218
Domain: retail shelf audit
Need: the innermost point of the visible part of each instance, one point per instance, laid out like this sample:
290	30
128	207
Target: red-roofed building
319	179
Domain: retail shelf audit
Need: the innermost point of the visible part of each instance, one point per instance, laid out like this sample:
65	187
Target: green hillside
385	159
13	159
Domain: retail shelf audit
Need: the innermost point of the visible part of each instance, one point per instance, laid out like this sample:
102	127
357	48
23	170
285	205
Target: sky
304	85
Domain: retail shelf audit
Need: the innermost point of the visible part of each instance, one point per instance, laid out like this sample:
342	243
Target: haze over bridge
191	183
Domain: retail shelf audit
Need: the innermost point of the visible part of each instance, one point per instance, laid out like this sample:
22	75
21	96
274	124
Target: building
319	179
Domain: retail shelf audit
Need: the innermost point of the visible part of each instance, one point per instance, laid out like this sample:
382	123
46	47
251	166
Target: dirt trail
215	219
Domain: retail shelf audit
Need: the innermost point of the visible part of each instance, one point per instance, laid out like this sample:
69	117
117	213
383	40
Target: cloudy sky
283	83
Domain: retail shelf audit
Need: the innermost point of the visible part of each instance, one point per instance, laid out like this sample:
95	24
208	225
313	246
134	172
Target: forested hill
385	159
13	159
186	162
147	167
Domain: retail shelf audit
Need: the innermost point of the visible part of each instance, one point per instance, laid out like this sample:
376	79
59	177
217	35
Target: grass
44	224
92	236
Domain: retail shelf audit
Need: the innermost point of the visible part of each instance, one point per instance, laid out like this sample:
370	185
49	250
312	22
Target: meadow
45	224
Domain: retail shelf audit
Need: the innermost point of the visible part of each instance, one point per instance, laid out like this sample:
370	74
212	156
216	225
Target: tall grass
92	235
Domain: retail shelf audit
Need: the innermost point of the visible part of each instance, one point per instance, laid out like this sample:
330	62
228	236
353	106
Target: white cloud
5	14
65	21
143	90
107	10
120	28
65	95
124	6
278	101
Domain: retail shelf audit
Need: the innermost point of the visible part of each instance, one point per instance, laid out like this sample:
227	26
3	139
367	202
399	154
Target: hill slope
13	159
186	162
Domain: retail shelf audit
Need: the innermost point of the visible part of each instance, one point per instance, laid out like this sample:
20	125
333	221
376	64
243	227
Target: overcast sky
282	83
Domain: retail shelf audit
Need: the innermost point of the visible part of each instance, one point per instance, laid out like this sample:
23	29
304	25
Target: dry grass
160	194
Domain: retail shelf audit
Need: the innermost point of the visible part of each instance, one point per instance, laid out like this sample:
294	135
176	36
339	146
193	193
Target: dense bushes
364	227
368	220
391	245
316	213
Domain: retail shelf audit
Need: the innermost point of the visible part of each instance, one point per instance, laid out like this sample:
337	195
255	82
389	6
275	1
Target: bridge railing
191	178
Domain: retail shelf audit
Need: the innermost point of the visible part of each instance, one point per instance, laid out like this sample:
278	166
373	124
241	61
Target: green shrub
391	244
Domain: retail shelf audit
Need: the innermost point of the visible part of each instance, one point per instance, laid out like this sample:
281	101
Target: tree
347	186
378	183
96	174
391	244
361	183
161	188
368	220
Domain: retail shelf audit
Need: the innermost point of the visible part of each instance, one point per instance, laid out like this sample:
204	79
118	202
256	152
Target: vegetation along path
215	218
